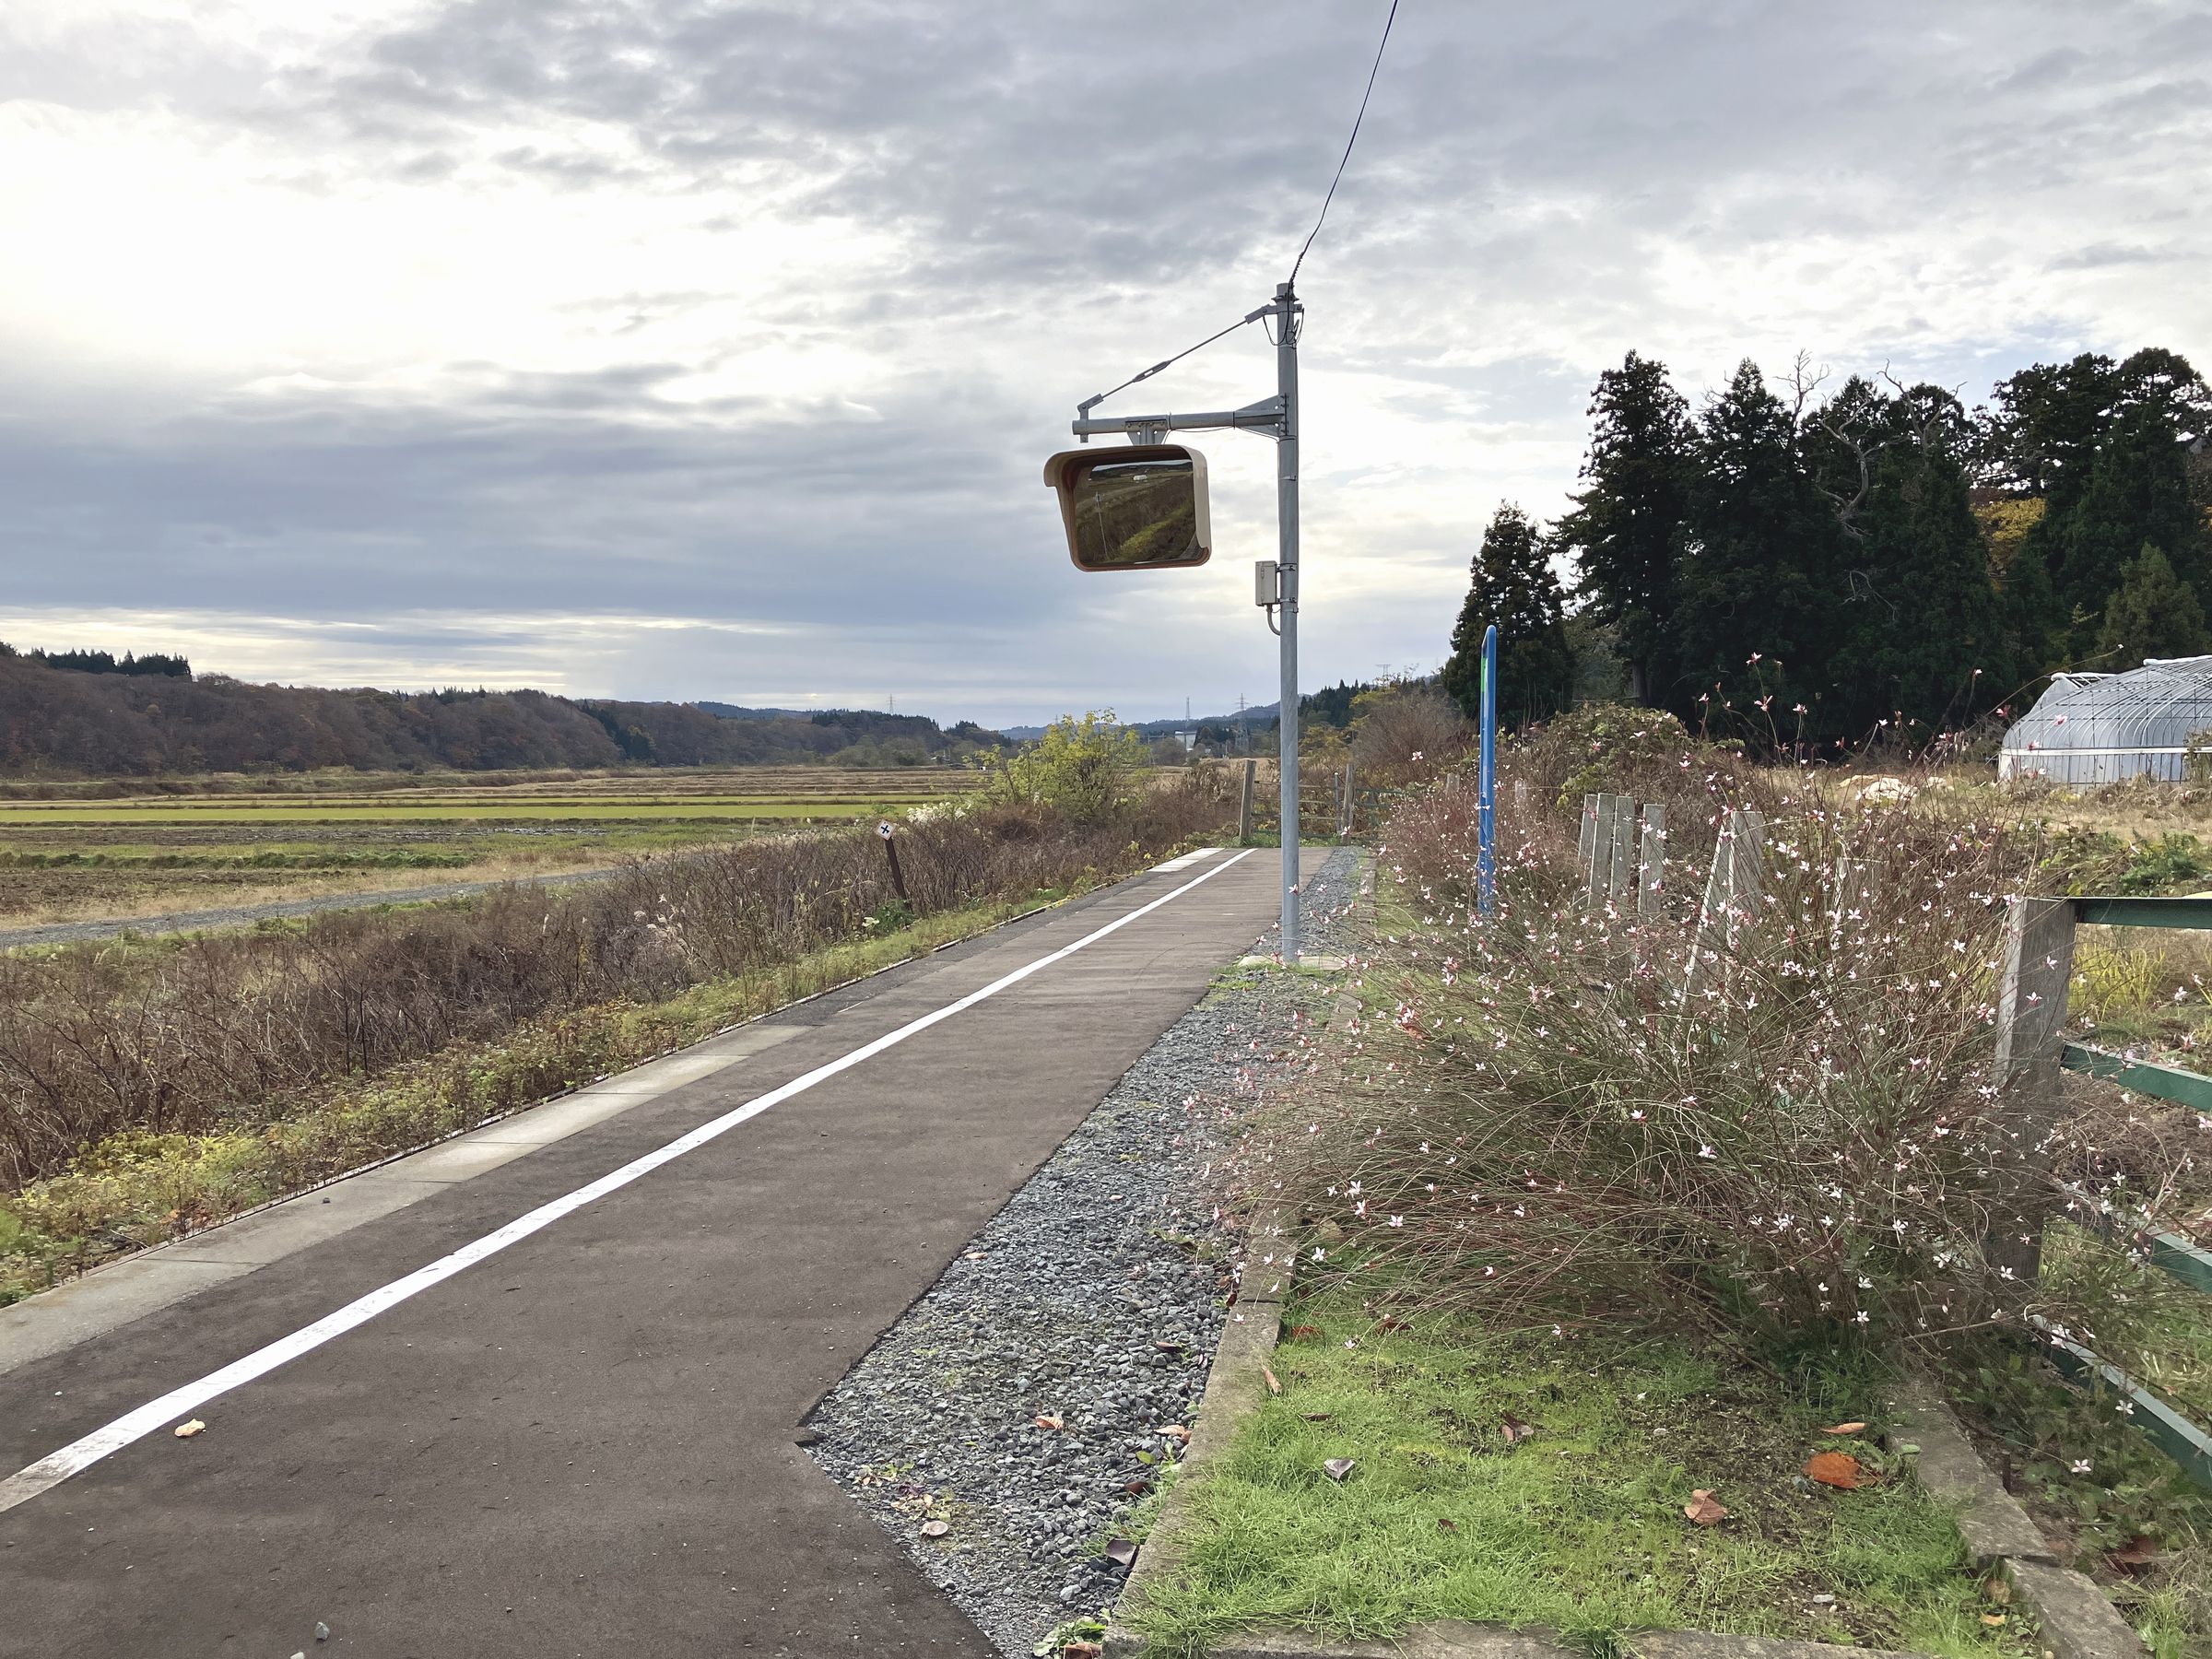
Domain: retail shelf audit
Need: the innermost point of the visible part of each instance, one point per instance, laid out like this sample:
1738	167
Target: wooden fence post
1731	892
1624	845
2031	1016
890	850
1651	870
1601	848
1343	811
1244	804
1585	850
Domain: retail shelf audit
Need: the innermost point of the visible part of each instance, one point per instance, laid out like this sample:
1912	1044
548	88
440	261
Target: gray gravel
1094	1297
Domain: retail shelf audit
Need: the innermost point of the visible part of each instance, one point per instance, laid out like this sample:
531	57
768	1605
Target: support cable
1348	143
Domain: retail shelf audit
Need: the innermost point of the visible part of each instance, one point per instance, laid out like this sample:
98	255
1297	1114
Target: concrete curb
2079	1619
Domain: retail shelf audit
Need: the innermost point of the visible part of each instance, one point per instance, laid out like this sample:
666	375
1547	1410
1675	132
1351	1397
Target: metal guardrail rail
2187	1442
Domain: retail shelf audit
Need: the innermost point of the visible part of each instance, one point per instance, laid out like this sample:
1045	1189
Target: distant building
2101	728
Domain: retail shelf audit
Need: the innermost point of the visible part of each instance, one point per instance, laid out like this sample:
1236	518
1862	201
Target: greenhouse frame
2105	728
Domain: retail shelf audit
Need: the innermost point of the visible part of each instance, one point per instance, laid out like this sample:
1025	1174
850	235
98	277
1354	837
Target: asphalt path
245	915
584	1443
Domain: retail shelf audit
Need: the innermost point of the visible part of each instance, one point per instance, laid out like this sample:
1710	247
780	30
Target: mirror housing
1134	507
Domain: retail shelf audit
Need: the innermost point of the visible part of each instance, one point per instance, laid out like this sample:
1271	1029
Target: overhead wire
1346	157
1165	363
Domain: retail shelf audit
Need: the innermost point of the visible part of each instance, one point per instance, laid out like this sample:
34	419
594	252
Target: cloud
690	318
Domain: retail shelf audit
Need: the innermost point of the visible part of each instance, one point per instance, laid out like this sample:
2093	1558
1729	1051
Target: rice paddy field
72	852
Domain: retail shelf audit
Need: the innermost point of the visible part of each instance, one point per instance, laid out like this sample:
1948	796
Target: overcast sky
664	348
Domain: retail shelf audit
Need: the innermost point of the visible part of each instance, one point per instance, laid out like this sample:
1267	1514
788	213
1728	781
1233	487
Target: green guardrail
2145	913
2145	1077
2184	1442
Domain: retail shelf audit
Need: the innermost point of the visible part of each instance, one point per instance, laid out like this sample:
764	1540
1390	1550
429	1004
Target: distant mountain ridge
60	722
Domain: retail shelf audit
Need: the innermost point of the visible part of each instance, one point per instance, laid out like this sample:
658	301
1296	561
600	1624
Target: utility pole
1277	590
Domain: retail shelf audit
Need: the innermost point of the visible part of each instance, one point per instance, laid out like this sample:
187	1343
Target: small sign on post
890	850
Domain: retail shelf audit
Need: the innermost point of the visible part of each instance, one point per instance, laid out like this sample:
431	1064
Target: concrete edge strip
2079	1619
83	1452
633	1083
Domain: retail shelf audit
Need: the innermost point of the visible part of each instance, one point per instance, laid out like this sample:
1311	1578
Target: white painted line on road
1188	859
81	1455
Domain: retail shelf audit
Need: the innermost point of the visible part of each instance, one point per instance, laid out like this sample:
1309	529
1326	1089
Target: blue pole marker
1486	864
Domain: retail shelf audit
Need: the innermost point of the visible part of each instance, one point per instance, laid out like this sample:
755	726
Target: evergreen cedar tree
1515	588
1765	554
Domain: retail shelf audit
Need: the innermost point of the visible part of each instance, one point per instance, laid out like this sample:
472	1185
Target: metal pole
1486	862
1285	508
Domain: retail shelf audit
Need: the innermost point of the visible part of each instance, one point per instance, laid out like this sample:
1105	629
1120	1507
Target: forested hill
58	722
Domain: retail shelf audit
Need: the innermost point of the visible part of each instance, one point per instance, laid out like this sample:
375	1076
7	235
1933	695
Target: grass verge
134	1190
1577	1524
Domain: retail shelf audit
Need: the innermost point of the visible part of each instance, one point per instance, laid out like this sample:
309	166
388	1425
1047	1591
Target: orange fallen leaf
1993	1618
1046	1421
1305	1333
1274	1387
1846	1429
1836	1469
1704	1509
186	1430
1175	1431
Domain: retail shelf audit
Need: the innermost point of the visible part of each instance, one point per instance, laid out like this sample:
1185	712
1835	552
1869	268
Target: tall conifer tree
1513	587
1622	530
1758	583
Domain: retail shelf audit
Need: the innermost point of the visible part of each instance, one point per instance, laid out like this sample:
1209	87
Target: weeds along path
246	915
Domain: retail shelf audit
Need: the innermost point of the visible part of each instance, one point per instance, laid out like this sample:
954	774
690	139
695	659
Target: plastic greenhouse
2101	728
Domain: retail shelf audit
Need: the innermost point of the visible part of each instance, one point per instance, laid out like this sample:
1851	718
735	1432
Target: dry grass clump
193	1035
1540	1120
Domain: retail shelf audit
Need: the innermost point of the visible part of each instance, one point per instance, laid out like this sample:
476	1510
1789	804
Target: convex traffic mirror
1141	506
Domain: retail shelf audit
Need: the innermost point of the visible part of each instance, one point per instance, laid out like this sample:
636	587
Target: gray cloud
1046	197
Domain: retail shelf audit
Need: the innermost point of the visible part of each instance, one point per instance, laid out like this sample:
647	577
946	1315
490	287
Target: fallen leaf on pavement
1845	1428
1704	1509
186	1430
1337	1468
1047	1422
1836	1469
934	1529
1120	1551
1274	1387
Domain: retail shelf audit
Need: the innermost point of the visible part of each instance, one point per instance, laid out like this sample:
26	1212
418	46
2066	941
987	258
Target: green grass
1578	1527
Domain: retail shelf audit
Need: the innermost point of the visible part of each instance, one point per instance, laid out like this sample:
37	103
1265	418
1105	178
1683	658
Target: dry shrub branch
1538	1120
225	1031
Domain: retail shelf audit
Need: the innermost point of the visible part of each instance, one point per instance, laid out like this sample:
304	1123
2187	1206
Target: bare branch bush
233	1030
1535	1120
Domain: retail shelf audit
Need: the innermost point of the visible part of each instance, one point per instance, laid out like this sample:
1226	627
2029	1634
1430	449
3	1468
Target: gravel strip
1094	1298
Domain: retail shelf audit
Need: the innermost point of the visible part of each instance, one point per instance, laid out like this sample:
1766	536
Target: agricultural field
72	852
